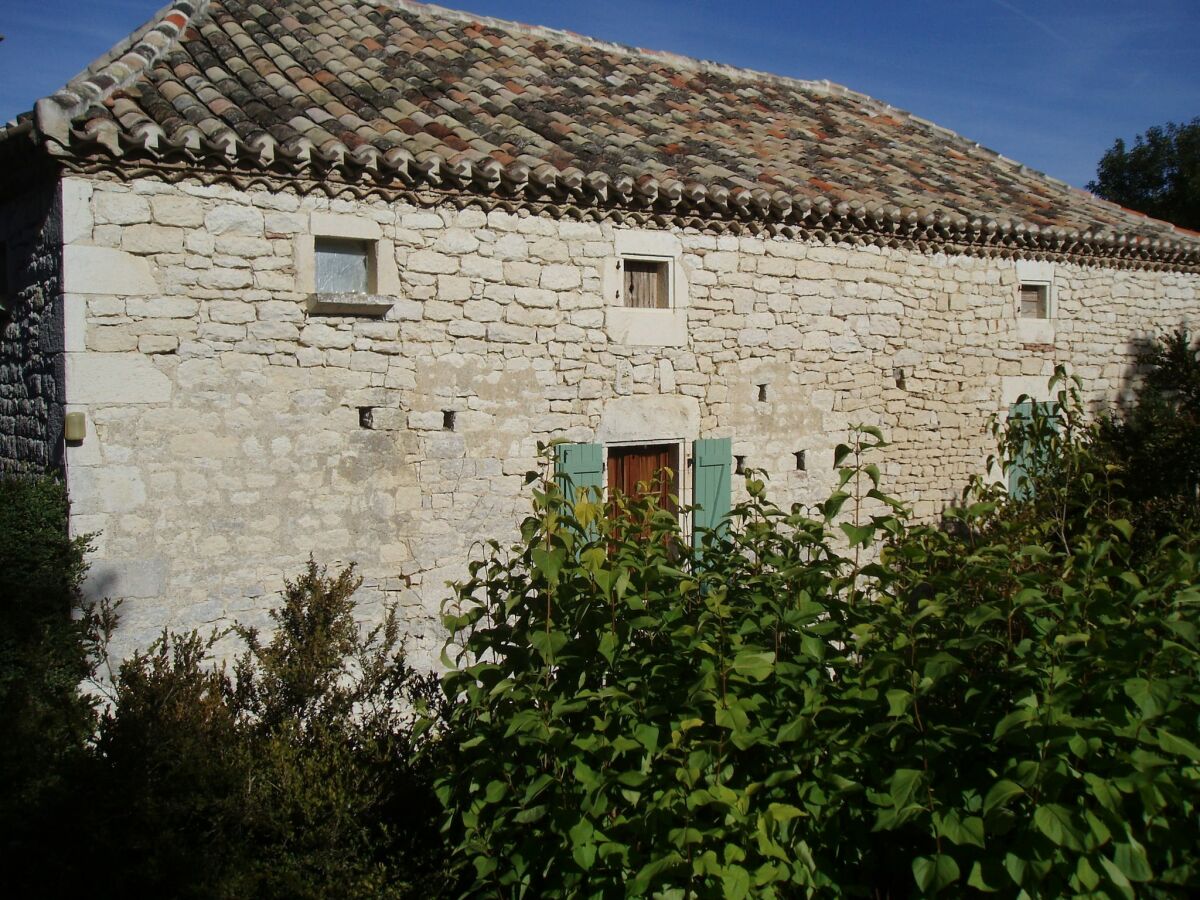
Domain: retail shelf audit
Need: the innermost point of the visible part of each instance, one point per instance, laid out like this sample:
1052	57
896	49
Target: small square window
342	266
1035	301
647	283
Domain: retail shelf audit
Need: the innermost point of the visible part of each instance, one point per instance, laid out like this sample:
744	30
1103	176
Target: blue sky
1049	83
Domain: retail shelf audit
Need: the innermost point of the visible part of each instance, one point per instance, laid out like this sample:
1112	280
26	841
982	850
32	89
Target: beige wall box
75	427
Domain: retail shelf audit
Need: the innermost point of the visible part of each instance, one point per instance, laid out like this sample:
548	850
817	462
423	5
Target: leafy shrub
295	775
44	655
832	701
1155	444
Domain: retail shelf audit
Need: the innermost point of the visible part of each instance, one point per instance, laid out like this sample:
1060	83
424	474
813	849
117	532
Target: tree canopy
1159	175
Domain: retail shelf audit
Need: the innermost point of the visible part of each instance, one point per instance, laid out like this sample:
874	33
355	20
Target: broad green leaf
1171	743
1130	857
1087	875
583	844
934	873
548	644
1151	697
527	816
858	534
1001	792
1054	821
782	812
903	783
965	830
647	736
1021	716
754	664
977	880
549	562
735	883
898	702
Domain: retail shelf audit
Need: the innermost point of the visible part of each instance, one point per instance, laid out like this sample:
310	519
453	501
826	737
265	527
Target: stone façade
225	442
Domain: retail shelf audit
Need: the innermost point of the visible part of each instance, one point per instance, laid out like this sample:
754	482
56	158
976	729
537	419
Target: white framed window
646	290
1035	301
343	266
346	266
645	282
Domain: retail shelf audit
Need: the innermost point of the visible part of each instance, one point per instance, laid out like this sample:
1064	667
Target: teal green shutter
712	463
579	466
1023	462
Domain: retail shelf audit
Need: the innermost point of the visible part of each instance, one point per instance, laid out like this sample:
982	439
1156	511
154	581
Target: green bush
44	655
832	701
1155	444
294	775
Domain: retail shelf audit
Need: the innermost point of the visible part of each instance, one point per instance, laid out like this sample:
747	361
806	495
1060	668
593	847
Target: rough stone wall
225	442
31	333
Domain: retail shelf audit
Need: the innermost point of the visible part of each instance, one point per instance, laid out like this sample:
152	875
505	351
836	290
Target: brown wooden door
631	470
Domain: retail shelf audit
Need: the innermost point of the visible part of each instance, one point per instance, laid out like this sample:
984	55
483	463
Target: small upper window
343	266
1035	301
647	283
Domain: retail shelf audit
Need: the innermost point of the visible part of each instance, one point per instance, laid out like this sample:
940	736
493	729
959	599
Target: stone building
318	275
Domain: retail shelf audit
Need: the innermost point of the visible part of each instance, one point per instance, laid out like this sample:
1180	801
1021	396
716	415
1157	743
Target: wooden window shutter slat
1028	457
646	284
579	467
712	465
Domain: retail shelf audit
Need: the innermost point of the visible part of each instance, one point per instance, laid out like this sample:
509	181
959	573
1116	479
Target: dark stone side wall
31	333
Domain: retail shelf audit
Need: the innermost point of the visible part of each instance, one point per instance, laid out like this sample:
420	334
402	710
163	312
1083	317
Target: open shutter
579	466
1024	460
712	463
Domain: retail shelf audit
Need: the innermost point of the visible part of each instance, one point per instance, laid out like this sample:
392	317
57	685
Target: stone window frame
646	327
381	261
1039	274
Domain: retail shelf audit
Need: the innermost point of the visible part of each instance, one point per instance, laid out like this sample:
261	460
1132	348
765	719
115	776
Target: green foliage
832	701
44	655
1159	176
1155	444
295	776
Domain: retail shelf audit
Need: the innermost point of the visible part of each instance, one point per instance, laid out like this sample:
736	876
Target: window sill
646	327
375	305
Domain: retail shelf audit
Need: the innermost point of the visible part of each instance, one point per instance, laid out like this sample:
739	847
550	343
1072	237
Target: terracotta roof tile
412	79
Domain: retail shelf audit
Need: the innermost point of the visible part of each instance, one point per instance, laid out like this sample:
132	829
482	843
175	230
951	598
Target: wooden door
632	470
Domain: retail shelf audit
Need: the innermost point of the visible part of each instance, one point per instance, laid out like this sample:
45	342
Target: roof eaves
120	67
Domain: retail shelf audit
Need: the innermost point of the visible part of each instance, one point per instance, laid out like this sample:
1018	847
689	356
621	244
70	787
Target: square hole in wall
739	465
646	282
449	420
343	266
762	393
801	461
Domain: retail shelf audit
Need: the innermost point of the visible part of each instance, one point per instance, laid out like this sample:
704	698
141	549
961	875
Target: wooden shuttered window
1028	457
647	283
633	470
1035	302
579	467
712	467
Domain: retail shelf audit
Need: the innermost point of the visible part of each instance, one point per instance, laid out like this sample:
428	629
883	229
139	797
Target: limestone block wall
232	432
31	332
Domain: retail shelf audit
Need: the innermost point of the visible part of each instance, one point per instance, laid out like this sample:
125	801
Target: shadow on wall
1139	349
31	332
